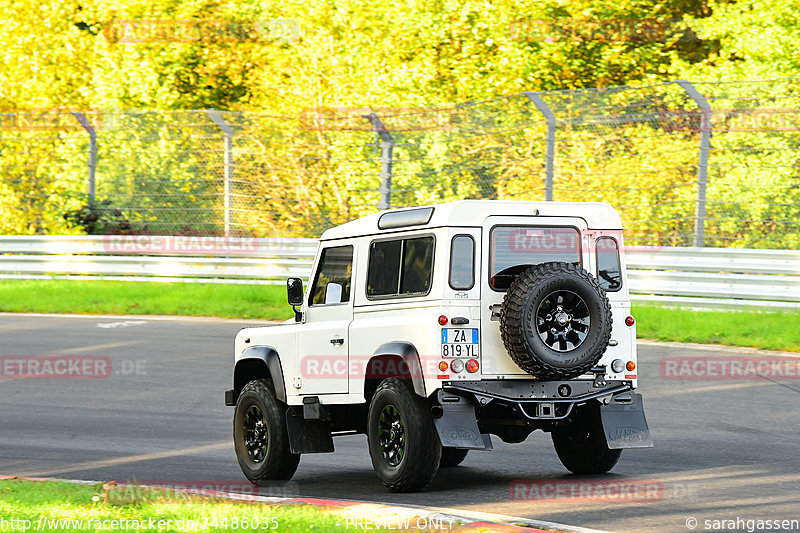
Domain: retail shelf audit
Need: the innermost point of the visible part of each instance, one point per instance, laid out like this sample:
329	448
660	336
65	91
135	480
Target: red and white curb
360	515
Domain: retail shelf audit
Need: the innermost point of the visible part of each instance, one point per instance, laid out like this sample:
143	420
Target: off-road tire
581	446
421	449
278	462
452	457
521	303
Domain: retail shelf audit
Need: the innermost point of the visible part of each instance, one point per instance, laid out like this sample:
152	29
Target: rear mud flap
458	427
624	423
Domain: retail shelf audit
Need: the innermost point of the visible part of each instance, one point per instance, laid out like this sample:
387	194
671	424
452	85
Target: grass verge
768	330
759	329
145	298
60	506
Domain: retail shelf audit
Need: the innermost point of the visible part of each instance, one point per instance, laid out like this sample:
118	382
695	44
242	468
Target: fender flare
272	361
408	353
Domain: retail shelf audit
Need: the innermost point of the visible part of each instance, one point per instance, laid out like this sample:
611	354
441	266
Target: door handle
337	341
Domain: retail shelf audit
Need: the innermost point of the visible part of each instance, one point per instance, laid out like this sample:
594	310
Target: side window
332	282
401	267
608	270
462	262
384	268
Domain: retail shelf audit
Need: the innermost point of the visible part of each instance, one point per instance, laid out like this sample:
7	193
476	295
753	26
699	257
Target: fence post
387	153
702	162
92	152
550	154
227	165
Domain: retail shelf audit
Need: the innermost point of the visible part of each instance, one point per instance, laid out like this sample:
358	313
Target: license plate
461	342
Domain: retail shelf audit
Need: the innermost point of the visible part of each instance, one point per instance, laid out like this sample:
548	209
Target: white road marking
94	348
125	324
103	463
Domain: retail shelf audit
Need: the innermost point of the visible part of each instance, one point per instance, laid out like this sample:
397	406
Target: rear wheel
582	447
452	457
260	436
403	443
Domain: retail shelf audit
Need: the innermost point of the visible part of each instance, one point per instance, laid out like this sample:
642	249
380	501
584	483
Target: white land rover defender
431	328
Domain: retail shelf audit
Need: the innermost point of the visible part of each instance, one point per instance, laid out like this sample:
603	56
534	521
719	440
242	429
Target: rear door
510	246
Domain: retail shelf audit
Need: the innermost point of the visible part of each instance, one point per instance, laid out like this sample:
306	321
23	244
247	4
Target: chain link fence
710	164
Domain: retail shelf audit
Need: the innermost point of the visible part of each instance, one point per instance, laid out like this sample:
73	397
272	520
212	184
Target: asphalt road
724	449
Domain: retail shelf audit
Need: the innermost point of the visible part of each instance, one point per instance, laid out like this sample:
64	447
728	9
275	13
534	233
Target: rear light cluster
457	365
618	366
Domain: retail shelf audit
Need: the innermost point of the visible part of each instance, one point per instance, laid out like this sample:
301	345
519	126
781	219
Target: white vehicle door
323	342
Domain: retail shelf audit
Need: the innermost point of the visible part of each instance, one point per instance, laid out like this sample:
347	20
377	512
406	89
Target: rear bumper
476	408
540	401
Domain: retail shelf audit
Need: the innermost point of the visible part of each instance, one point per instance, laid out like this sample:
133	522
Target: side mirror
294	289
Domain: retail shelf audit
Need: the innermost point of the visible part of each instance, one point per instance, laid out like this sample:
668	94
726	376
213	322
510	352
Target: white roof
466	213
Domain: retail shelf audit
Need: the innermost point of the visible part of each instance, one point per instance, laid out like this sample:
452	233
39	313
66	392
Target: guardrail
698	277
715	277
155	258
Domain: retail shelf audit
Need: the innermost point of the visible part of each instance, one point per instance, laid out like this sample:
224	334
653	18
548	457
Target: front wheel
260	436
582	447
403	443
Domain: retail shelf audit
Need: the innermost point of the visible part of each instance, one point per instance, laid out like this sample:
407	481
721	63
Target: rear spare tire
555	321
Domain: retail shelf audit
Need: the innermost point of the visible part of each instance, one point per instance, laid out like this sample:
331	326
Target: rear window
609	274
400	267
514	249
